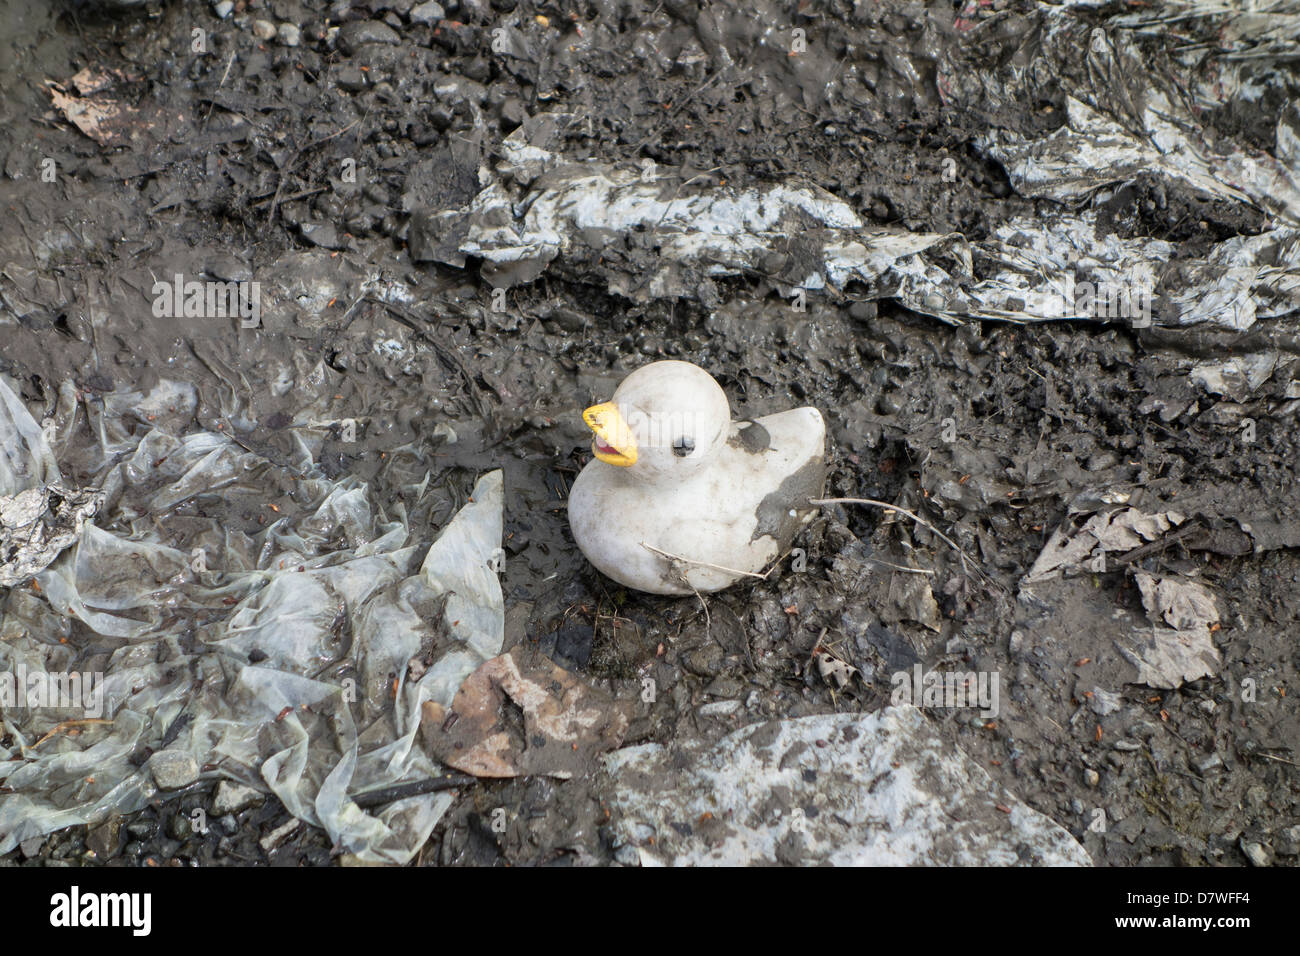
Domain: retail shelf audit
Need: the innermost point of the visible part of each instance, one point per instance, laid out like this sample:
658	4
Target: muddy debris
300	305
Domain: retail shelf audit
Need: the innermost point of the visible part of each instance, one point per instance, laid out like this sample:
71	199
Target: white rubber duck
680	499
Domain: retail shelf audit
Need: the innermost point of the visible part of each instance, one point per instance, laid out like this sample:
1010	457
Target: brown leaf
104	120
566	721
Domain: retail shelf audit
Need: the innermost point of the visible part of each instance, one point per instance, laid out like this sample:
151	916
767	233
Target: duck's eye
683	446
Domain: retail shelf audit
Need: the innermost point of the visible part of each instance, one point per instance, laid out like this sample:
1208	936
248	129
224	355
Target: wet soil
232	165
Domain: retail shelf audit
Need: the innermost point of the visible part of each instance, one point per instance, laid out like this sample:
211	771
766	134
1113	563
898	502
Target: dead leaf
89	80
103	120
1180	604
1113	531
1167	659
833	670
912	600
566	722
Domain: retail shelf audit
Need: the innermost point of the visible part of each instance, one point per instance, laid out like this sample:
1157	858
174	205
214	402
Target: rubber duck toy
682	500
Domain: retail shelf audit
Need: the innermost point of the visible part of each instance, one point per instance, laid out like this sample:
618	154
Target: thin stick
917	518
448	781
66	726
703	564
1278	759
899	567
708	618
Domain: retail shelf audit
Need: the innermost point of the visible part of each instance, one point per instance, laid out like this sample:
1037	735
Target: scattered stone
1104	702
105	840
322	234
223	9
232	797
1143	730
1206	764
173	769
705	661
352	36
289	34
1288	841
140	829
513	110
1091	777
1259	854
1127	746
720	708
351	79
263	29
428	13
180	826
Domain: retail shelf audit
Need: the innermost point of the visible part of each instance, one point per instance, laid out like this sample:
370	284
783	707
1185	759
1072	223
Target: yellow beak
615	444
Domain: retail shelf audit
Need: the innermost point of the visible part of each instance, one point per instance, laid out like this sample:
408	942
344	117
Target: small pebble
289	34
356	34
173	769
720	708
180	827
1104	702
263	29
351	79
1091	777
224	9
105	840
1288	841
232	797
1257	853
427	13
1206	764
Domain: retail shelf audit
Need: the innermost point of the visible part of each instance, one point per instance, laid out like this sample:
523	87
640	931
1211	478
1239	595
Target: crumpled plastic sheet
676	235
657	237
39	516
1127	115
335	599
654	233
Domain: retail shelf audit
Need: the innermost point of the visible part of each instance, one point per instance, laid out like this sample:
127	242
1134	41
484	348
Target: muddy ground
232	167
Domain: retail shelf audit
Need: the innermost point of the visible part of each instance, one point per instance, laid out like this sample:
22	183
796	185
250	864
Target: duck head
665	421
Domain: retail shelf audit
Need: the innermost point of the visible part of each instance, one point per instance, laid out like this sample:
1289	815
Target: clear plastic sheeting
654	235
659	235
1129	115
39	516
276	658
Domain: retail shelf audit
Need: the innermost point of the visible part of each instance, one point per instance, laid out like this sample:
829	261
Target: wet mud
236	163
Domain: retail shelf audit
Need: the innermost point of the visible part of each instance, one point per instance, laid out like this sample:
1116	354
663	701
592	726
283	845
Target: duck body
701	521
